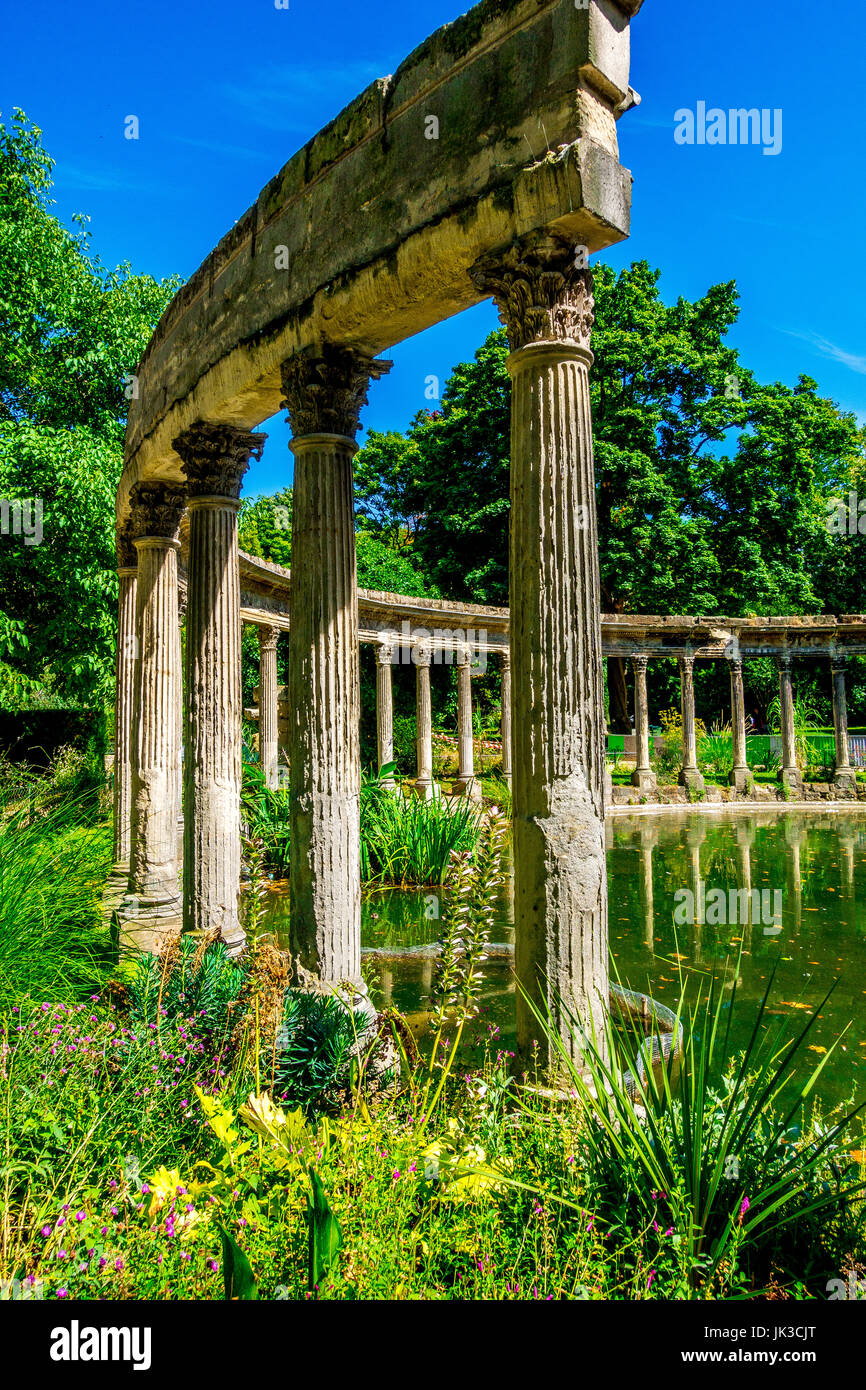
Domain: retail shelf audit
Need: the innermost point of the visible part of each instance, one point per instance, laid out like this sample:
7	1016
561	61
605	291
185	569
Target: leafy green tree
711	488
71	336
265	527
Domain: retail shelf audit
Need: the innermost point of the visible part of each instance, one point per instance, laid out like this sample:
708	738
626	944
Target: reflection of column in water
648	841
847	840
427	977
745	839
794	839
695	836
387	978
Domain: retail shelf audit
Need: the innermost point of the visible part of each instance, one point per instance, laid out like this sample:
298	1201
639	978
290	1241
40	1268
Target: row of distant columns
555	707
741	777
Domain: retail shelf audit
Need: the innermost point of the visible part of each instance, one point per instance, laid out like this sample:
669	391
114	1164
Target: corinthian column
643	776
152	906
127	644
505	716
215	458
385	709
741	778
560	879
466	784
422	655
690	776
324	393
845	779
790	775
268	750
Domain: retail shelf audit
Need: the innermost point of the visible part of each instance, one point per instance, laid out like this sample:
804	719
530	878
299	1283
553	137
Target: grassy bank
200	1129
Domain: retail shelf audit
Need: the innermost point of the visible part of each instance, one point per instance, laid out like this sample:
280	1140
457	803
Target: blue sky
225	94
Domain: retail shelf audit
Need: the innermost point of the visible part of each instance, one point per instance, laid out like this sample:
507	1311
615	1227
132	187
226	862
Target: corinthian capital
542	292
326	390
155	510
127	555
216	456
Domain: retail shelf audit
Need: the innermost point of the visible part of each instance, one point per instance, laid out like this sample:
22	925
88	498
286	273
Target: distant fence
763	748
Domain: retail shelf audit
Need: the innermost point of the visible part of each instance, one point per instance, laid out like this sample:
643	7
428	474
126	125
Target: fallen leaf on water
814	1048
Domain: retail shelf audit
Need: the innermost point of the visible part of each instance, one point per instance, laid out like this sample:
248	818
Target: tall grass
53	941
719	1144
405	840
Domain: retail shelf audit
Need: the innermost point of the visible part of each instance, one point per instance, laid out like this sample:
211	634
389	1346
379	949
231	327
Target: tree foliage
71	335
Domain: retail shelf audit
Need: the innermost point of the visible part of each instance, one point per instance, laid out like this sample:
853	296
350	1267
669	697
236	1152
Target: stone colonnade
741	777
553	712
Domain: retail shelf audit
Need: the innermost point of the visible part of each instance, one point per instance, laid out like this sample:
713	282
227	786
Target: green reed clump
723	1148
406	840
53	940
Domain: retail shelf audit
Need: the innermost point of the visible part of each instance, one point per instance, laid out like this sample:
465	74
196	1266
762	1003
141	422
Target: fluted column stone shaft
268	701
560	879
152	906
505	715
127	644
421	656
741	777
215	458
465	784
324	394
789	775
845	779
384	709
690	776
643	775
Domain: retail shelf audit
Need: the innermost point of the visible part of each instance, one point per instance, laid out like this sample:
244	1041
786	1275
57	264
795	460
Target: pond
691	892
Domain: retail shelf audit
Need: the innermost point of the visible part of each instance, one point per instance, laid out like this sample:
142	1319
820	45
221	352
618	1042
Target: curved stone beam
499	124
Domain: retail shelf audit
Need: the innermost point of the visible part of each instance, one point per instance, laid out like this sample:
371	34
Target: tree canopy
71	335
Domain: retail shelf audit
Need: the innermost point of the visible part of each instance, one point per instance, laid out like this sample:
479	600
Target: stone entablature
502	123
266	598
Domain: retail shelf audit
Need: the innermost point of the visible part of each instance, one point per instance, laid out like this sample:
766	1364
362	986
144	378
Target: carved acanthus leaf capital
325	391
156	509
385	653
127	555
216	456
268	638
422	654
543	290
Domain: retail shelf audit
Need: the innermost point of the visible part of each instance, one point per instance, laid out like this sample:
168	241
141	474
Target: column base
467	786
691	779
644	779
791	779
424	788
742	779
845	781
142	931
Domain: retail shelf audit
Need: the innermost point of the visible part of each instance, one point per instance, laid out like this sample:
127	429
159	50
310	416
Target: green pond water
687	892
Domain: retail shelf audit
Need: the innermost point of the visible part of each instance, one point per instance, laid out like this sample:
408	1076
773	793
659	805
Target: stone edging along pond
817	796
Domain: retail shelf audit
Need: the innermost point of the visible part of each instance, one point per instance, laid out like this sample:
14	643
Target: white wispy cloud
288	97
856	361
71	176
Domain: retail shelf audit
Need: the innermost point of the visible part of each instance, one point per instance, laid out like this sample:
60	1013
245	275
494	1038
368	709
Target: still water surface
793	895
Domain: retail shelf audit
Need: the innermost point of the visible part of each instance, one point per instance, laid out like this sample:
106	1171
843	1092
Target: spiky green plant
407	840
470	913
713	1134
191	978
317	1041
